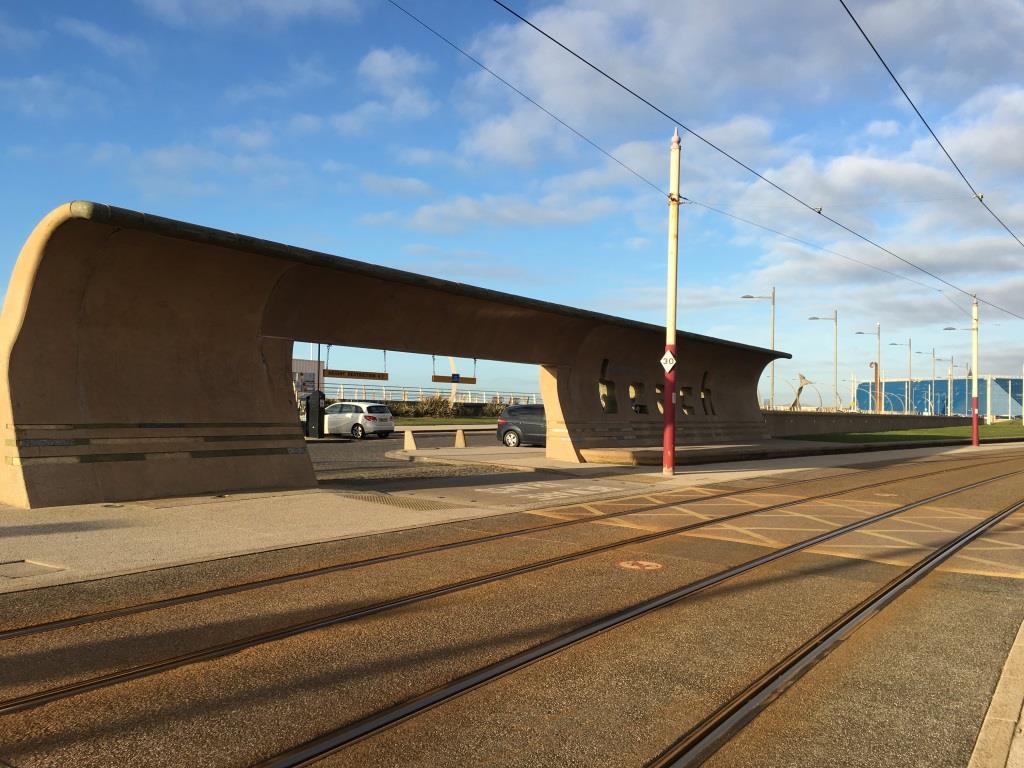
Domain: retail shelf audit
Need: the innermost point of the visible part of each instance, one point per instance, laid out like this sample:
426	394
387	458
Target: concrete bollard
410	441
460	438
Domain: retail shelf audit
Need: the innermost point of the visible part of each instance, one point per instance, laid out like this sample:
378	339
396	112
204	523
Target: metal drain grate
404	502
20	569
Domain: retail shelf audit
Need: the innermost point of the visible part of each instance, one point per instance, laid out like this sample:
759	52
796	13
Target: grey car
522	425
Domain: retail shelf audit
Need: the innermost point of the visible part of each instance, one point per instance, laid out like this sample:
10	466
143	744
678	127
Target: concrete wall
787	423
145	357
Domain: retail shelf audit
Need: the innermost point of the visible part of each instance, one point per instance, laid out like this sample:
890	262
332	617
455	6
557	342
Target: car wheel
382	435
511	439
358	432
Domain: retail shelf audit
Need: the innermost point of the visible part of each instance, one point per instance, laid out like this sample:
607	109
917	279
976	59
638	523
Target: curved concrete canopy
148	357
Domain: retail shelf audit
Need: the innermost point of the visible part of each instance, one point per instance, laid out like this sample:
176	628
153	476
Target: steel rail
46	696
334	740
701	741
193	597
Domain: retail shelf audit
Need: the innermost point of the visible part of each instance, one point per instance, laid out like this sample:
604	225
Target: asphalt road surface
378	651
347	461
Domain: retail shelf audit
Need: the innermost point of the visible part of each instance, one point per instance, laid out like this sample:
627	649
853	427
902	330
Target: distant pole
668	443
949	393
931	405
910	375
771	342
879	403
974	374
835	359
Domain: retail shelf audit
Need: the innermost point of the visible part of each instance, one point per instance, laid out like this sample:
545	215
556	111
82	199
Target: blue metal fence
1007	396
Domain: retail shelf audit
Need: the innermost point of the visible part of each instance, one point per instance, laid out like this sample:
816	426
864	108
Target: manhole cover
639	565
19	569
403	502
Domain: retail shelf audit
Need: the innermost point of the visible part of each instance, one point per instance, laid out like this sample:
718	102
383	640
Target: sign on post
334	373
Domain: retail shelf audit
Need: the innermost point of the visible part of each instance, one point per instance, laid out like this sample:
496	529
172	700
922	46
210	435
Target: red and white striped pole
974	371
668	443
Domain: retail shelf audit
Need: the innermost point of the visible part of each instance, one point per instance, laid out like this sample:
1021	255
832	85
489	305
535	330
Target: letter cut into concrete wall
145	357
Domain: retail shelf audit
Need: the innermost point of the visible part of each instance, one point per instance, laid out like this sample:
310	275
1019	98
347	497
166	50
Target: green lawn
1005	429
427	421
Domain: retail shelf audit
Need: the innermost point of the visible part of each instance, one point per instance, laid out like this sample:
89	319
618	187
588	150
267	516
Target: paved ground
911	688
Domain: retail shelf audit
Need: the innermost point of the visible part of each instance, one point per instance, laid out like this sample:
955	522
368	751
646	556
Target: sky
345	127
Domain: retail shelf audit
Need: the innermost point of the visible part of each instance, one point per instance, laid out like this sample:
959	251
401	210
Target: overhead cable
724	153
639	175
977	195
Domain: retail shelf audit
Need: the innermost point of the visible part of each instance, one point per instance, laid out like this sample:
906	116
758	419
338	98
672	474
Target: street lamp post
974	367
668	440
974	374
879	407
931	387
771	343
835	355
910	372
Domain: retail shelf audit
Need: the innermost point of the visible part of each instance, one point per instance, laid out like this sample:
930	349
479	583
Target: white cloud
190	170
114	45
183	12
390	70
305	74
305	123
463	265
518	137
396	185
358	119
16	39
47	96
462	212
882	128
254	137
426	156
637	243
333	166
389	73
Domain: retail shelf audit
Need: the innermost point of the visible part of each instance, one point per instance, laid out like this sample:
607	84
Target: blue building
953	396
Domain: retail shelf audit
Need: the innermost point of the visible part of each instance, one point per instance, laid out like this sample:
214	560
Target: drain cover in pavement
640	565
19	569
405	502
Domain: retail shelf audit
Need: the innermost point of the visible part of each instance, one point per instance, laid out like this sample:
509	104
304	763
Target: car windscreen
377	409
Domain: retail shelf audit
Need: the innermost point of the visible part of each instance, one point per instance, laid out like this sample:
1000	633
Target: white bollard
410	441
460	438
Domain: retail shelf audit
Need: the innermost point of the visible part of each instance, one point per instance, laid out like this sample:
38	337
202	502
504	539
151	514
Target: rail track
718	725
385	718
208	594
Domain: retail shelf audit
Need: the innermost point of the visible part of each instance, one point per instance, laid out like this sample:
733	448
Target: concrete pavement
608	703
59	545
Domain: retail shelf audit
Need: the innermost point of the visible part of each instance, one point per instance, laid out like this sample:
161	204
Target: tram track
331	742
39	698
202	595
706	737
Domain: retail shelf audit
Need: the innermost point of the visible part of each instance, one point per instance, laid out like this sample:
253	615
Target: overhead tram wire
977	195
635	172
766	180
538	105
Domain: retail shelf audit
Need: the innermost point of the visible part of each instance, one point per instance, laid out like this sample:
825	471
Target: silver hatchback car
358	420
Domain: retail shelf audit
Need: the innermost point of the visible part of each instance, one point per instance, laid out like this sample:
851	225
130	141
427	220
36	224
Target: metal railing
412	394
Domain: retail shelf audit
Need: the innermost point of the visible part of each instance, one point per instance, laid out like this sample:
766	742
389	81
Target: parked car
522	425
358	420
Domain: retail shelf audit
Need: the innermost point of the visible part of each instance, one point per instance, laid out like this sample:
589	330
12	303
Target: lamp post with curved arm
879	406
771	342
974	367
910	375
835	355
931	387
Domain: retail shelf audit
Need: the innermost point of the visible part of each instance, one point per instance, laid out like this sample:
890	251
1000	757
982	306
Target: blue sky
340	125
